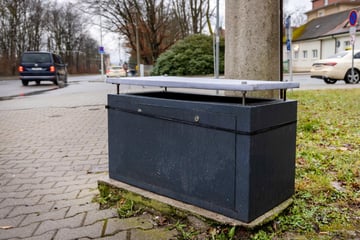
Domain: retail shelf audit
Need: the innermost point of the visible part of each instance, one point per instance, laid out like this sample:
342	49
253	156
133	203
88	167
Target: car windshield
36	58
339	55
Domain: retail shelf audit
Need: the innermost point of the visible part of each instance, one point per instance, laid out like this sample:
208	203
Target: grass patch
327	199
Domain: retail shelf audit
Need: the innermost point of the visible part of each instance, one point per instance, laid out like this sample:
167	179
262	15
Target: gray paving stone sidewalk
50	161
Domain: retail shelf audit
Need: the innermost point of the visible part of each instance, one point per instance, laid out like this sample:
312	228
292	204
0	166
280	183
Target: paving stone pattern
50	161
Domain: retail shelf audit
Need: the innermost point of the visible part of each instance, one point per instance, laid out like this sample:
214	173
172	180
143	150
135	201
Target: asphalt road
10	88
79	86
307	83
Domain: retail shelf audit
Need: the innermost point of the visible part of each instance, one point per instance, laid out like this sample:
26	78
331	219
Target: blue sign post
287	22
288	44
353	22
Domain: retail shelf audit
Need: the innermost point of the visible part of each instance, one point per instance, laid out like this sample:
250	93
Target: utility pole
119	50
137	46
101	45
217	41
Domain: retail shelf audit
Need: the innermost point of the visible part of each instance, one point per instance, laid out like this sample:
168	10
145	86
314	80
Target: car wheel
37	82
329	81
25	82
352	79
56	81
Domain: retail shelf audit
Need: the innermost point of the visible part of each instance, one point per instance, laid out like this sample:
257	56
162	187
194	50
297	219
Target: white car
338	67
116	71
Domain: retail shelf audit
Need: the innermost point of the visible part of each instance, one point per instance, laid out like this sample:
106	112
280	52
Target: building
325	33
322	8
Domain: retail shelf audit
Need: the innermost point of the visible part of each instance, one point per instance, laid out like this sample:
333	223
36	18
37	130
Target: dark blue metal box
209	151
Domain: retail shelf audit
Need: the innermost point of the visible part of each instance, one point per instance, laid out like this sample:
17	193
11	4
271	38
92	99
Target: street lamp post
119	51
217	41
137	47
101	46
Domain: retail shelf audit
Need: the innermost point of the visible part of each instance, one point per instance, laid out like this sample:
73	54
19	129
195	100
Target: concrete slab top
204	83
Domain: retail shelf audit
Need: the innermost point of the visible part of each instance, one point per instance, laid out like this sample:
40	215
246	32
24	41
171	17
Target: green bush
190	56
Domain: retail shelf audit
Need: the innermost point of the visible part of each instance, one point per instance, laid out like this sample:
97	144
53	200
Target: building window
347	45
305	54
296	55
315	53
326	2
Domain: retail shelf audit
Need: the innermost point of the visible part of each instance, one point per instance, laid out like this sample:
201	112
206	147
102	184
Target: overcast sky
294	4
289	6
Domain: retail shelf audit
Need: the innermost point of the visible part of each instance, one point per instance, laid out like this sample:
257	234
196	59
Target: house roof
329	25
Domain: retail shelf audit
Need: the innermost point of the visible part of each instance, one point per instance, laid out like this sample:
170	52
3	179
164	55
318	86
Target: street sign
288	45
352	40
101	50
353	18
352	32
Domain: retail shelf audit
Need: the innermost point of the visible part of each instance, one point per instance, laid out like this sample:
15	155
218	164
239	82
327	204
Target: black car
42	66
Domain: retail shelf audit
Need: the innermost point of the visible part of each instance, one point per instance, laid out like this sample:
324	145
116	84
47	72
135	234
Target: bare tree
55	28
157	23
12	11
41	24
197	13
46	24
182	16
20	29
34	26
193	15
150	20
66	36
298	17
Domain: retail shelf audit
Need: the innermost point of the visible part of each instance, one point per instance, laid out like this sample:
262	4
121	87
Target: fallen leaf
161	221
6	227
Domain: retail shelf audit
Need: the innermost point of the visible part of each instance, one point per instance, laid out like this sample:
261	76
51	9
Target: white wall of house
345	42
305	53
328	47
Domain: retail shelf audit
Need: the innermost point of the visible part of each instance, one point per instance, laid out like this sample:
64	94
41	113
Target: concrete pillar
252	42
